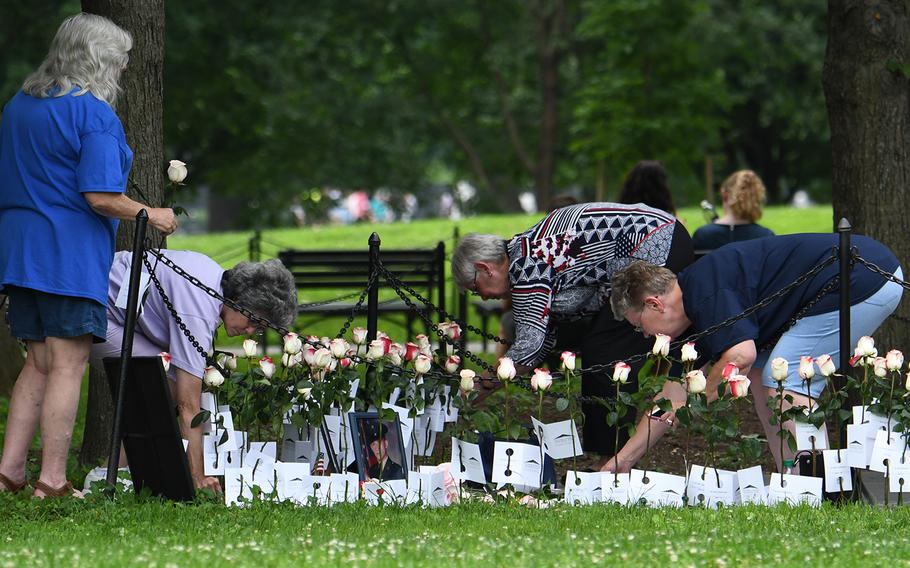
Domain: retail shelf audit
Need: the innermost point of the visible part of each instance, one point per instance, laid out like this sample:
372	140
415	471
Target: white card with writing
516	463
712	487
584	488
614	487
467	463
795	489
862	415
451	409
885	448
657	489
265	450
424	437
899	475
560	439
223	422
752	485
388	492
837	471
809	437
294	482
393	396
344	487
858	451
238	488
213	457
437	413
427	488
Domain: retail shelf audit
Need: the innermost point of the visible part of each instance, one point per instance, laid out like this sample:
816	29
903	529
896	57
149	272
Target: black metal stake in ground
441	279
126	349
844	229
373	296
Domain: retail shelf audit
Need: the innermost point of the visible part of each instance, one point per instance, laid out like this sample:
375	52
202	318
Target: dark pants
607	340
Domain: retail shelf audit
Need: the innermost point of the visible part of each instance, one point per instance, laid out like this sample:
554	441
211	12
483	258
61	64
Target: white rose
568	360
506	369
339	347
878	367
780	368
292	343
165	360
377	349
452	364
291	361
541	379
806	368
267	366
825	365
309	355
249	347
696	381
176	171
422	364
230	362
359	335
323	358
305	392
866	347
621	372
423	343
894	360
689	353
739	386
466	384
212	377
661	345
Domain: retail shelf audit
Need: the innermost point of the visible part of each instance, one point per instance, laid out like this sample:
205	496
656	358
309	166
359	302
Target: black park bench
421	269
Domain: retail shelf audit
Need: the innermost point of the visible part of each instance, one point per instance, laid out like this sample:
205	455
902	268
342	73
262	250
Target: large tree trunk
140	109
10	355
549	38
869	113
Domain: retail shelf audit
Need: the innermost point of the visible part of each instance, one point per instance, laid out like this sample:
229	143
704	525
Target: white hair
475	247
88	52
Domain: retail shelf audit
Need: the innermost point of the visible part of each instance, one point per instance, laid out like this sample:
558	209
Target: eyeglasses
473	290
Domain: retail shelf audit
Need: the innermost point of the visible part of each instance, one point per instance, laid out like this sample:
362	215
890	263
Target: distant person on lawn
64	164
743	194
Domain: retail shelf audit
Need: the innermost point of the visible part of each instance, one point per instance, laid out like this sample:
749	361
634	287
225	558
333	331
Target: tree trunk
10	355
549	36
869	114
140	109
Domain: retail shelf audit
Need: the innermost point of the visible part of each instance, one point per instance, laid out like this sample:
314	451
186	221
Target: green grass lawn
127	533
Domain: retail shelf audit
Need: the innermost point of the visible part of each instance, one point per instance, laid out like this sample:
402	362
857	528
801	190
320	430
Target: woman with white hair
264	288
64	163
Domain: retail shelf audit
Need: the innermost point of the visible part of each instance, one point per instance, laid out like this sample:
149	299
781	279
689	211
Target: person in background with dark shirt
738	276
743	194
647	183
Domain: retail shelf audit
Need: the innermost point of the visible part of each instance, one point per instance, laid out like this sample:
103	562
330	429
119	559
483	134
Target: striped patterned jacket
560	268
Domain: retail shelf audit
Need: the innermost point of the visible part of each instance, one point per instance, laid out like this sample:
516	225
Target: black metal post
844	229
373	296
441	278
460	297
255	246
126	348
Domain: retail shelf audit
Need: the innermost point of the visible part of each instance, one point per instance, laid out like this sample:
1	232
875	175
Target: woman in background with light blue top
64	163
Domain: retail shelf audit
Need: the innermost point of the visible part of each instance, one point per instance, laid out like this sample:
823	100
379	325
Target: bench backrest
418	268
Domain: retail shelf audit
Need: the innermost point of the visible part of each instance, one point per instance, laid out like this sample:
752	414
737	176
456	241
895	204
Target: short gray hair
265	288
88	52
475	247
632	283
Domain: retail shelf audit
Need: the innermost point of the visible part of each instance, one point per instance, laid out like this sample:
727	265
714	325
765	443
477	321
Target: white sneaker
100	474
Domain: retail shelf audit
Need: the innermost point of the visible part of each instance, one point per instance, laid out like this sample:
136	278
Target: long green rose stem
809	393
571	417
886	489
505	422
616	442
540	434
780	425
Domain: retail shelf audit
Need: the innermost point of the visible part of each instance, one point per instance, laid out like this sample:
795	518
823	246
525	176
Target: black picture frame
331	455
363	431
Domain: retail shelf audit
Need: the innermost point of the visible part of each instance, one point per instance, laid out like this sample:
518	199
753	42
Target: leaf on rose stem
626	398
223	439
562	404
200	418
612	418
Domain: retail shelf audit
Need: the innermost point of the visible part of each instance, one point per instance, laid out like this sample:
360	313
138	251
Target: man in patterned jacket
559	271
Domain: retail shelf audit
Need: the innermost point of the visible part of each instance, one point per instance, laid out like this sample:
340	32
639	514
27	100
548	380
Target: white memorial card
560	439
809	437
467	463
752	485
386	492
837	471
344	487
517	464
712	487
427	488
584	488
615	487
657	489
795	489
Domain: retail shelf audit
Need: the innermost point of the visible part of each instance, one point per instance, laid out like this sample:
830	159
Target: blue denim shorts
36	315
820	334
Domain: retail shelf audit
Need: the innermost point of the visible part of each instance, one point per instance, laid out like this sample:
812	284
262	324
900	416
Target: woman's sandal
10	486
64	491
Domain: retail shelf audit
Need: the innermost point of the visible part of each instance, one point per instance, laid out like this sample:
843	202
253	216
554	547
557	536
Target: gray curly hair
475	247
265	288
88	52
